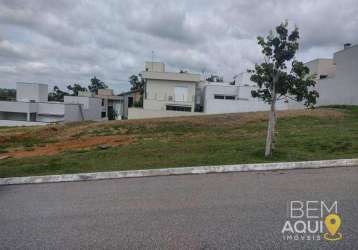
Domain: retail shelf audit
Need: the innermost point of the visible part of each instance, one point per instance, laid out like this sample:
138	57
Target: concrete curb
180	171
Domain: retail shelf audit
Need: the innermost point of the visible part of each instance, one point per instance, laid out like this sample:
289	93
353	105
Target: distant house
112	105
168	91
337	81
32	105
236	97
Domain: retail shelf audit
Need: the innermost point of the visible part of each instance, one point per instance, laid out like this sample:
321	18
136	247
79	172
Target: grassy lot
327	133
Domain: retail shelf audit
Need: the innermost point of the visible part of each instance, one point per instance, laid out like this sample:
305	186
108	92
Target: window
103	114
219	97
179	108
323	76
225	97
102	102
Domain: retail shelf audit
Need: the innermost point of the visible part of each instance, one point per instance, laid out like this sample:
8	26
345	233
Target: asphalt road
216	211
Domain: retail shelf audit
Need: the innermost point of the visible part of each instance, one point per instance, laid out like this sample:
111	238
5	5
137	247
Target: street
214	211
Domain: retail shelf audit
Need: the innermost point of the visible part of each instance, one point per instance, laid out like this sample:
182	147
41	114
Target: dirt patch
83	143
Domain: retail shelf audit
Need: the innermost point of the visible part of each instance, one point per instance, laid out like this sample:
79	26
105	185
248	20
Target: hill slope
181	141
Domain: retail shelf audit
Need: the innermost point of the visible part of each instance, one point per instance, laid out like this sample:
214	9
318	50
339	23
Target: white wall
322	66
244	102
20	107
72	113
92	106
343	88
31	91
139	113
50	112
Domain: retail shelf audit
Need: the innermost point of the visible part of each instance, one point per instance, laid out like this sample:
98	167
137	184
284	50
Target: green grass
176	144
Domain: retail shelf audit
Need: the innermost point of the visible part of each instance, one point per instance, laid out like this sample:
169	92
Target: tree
96	84
275	81
76	88
215	78
137	82
57	95
7	94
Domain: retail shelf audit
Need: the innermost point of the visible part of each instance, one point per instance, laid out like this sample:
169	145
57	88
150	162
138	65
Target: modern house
178	94
112	105
168	91
236	98
338	77
32	105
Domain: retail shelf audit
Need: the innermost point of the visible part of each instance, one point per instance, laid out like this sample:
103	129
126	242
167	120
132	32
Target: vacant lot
188	141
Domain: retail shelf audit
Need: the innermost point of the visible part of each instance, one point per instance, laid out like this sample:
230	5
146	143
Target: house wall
155	66
139	113
92	106
19	107
50	112
158	93
244	102
31	91
322	66
343	88
72	113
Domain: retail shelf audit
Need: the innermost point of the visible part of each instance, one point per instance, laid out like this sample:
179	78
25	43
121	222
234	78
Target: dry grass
55	139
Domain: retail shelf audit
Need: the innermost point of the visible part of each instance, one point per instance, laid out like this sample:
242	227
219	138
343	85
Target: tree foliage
215	78
276	81
96	84
57	95
136	82
76	88
7	94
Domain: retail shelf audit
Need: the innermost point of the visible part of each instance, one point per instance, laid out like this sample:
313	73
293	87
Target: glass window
219	97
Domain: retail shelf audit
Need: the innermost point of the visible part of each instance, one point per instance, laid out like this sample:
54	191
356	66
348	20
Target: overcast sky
67	41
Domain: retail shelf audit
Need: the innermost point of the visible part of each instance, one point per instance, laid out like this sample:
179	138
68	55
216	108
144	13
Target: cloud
65	41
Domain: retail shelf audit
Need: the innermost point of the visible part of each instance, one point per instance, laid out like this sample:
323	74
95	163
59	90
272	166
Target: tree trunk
271	122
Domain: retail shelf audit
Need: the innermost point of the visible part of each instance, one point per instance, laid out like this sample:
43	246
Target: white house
168	91
32	105
340	86
236	98
112	105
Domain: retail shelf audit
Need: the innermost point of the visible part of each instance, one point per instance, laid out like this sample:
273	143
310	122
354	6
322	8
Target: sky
61	42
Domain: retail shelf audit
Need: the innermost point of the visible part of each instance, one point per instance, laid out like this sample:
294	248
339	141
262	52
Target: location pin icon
332	222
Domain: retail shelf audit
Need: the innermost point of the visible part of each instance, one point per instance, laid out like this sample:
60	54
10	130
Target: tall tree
96	84
276	81
75	88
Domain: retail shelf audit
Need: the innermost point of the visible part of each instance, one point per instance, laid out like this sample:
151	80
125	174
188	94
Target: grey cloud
65	41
